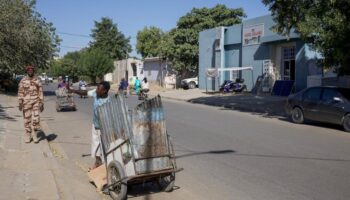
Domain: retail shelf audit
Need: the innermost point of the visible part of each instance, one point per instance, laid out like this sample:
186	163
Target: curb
64	191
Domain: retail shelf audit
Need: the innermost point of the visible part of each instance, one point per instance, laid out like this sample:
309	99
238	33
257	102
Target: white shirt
144	85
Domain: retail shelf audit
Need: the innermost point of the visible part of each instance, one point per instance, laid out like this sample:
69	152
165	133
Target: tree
108	39
323	24
25	37
63	67
149	42
180	45
95	64
68	65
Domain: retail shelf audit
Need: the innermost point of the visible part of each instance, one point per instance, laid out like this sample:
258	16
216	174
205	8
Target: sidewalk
27	171
266	105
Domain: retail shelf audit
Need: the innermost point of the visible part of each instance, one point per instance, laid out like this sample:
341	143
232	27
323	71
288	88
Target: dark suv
324	104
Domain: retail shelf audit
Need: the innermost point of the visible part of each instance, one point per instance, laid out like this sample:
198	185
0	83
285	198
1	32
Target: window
329	94
134	70
312	94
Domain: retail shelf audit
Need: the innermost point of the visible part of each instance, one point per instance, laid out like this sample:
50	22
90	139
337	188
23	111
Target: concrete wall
124	69
155	70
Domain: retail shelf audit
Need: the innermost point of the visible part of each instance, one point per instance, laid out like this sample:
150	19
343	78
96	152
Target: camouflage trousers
31	110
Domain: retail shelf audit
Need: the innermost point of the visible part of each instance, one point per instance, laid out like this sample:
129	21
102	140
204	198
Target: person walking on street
137	86
62	84
100	95
31	103
123	86
144	85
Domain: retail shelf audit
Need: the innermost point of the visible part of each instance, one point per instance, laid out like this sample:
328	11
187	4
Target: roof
153	59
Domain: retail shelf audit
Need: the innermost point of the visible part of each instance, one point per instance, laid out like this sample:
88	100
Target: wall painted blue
207	56
233	57
233	34
252	55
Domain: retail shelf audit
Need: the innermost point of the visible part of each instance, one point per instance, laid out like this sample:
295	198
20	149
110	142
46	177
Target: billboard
252	34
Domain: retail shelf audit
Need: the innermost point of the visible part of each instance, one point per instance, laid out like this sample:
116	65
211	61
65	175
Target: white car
189	83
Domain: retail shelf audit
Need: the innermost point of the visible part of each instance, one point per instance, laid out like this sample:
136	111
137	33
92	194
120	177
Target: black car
324	104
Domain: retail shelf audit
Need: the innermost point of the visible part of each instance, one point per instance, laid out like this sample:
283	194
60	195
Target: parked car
189	83
50	79
324	104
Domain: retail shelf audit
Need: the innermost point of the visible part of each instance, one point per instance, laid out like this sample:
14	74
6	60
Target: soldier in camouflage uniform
31	101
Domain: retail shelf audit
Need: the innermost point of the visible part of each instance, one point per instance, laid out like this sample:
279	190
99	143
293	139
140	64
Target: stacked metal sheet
148	129
114	122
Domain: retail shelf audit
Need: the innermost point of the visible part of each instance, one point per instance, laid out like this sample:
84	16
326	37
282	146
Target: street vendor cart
135	145
64	100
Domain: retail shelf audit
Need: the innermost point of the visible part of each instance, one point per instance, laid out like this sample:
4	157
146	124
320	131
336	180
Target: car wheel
192	85
346	123
297	115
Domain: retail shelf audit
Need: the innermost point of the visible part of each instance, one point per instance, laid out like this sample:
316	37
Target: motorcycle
83	87
230	86
143	94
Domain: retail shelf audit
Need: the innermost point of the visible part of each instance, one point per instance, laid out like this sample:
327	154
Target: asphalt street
225	154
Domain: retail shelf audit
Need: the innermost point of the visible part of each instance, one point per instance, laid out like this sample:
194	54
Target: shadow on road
4	115
145	190
266	106
318	124
50	137
235	153
49	93
196	153
292	157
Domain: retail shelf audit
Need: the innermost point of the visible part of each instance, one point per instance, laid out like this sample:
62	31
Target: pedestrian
144	85
123	86
100	95
31	103
137	86
62	84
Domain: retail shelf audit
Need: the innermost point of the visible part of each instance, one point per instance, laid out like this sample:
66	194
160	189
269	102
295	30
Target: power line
70	47
82	35
74	34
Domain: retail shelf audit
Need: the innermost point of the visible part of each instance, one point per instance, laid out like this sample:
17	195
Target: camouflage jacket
30	89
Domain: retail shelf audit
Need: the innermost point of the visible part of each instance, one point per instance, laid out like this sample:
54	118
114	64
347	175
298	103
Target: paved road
228	154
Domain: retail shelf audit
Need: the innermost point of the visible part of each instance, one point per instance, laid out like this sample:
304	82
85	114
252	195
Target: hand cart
135	145
64	100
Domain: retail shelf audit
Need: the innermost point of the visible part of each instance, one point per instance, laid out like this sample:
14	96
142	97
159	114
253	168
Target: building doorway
288	63
134	69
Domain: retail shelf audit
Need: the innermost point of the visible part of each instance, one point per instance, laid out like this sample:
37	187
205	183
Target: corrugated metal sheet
144	127
152	165
149	130
114	122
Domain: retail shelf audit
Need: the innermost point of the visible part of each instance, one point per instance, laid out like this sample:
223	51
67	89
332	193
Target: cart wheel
115	172
167	183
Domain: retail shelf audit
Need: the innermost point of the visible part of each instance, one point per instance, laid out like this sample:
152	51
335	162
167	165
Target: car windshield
345	92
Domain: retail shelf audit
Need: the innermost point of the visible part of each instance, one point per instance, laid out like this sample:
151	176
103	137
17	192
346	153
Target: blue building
254	44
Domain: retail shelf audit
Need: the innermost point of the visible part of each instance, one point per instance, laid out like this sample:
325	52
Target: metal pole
252	78
206	84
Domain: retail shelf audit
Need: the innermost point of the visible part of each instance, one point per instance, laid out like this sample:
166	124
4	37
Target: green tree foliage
68	65
25	36
180	45
95	64
108	39
62	67
149	42
324	24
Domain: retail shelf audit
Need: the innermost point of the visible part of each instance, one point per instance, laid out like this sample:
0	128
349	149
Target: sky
74	19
